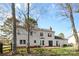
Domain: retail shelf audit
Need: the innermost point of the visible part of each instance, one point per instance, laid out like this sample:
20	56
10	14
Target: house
39	37
60	41
71	39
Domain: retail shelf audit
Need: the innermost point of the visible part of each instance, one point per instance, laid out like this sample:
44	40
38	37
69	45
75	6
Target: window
22	41
49	35
41	34
34	41
50	43
18	32
31	33
42	42
56	43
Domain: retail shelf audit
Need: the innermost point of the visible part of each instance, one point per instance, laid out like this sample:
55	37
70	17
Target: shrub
70	45
64	45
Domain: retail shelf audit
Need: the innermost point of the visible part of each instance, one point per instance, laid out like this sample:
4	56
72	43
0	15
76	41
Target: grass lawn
64	51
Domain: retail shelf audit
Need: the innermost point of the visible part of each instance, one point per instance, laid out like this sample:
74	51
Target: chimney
50	28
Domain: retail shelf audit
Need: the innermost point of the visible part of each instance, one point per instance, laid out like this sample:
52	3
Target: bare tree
68	11
14	29
28	48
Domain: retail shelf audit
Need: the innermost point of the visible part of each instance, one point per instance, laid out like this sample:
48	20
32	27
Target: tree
28	22
68	12
32	22
6	28
28	29
14	29
61	35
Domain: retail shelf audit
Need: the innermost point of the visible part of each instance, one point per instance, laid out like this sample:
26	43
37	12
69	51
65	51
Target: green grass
64	51
67	51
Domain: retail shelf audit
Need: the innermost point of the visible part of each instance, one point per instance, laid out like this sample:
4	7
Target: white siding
36	36
72	40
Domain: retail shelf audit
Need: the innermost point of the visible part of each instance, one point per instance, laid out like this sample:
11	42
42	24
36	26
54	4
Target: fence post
11	46
1	48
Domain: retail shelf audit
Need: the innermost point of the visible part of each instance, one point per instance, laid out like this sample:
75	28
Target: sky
47	15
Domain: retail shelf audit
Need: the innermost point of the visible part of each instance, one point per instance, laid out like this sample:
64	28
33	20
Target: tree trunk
14	29
28	48
74	29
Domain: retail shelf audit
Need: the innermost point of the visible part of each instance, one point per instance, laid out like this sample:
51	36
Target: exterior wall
72	40
60	42
36	36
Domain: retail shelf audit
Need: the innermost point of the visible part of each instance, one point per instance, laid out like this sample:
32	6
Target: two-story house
38	37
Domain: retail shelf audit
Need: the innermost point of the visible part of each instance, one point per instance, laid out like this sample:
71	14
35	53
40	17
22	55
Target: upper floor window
41	34
49	35
18	32
22	41
31	33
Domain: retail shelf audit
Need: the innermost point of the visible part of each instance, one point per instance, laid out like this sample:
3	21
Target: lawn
64	51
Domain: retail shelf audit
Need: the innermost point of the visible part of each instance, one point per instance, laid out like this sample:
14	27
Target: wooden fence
5	48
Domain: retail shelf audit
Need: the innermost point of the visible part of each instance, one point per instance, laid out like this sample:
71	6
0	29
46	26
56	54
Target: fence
5	48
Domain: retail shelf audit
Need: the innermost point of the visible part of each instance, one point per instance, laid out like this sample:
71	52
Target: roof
57	37
38	29
20	26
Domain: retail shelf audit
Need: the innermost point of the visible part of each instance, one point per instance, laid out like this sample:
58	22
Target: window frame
22	41
49	35
41	33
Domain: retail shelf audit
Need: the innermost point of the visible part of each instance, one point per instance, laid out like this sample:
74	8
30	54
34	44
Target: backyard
46	51
21	27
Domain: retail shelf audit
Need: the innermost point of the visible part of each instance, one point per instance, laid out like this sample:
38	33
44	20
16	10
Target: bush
64	45
70	45
39	46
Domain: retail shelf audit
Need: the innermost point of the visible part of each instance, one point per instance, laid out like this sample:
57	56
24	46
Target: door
41	42
50	43
56	43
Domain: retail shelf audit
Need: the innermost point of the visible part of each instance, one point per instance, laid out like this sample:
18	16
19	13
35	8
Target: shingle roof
38	29
57	37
